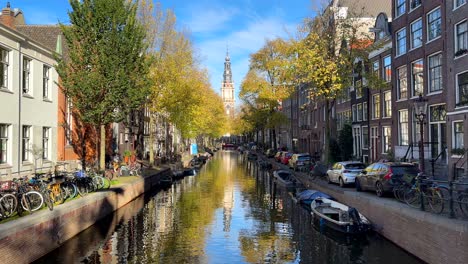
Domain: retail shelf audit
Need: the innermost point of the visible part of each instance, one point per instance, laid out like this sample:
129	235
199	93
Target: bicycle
430	194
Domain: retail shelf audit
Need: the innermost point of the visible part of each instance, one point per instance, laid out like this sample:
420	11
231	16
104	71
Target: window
376	106
458	3
386	139
462	88
45	142
354	113
387	68
401	42
402	83
417	78
26	140
416	34
4	69
400	7
364	111
387	105
365	137
461	38
416	130
359	112
45	82
26	74
434	24
375	68
435	73
458	135
3	143
358	88
415	3
403	127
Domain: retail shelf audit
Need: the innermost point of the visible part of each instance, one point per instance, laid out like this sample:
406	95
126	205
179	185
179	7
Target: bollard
421	195
452	212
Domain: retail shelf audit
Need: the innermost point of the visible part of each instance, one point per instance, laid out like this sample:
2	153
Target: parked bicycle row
27	195
401	179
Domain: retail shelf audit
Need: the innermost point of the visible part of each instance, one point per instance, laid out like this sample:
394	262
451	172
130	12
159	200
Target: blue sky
242	24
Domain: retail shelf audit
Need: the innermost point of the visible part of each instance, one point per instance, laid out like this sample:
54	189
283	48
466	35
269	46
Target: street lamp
420	113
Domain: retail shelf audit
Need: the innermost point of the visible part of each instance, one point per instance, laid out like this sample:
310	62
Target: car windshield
401	170
303	158
355	166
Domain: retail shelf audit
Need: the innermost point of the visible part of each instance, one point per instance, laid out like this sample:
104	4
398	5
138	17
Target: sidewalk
432	238
26	239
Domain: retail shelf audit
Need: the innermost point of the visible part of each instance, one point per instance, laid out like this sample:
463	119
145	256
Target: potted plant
127	154
458	151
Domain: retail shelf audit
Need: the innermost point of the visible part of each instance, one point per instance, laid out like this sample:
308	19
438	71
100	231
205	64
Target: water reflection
225	214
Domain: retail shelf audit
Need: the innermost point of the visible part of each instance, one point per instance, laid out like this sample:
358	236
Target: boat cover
310	195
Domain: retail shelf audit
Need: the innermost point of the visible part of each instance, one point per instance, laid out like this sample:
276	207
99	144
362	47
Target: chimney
7	17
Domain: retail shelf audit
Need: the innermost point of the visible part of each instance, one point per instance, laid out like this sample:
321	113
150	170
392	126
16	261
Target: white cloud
211	20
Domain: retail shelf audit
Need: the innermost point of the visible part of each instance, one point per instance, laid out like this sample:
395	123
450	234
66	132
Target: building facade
28	96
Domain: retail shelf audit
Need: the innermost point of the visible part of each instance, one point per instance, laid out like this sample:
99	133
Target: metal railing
455	165
433	161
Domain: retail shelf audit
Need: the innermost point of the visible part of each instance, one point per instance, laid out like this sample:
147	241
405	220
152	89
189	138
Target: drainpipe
20	91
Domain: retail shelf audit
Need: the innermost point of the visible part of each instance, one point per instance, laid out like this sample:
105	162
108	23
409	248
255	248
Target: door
363	179
437	130
374	145
372	179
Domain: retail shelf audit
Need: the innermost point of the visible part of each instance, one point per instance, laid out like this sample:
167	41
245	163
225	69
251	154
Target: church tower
227	88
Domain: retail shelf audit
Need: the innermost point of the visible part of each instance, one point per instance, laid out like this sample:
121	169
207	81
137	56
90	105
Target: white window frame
26	138
413	91
5	141
398	5
364	111
386	139
457	5
26	82
46	82
359	112
46	136
366	128
354	108
359	88
5	61
428	28
412	39
387	104
430	75
455	35
399	97
387	78
375	109
457	88
399	41
400	128
415	1
453	134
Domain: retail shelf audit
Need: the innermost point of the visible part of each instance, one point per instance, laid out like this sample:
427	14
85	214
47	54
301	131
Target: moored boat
307	196
338	216
284	178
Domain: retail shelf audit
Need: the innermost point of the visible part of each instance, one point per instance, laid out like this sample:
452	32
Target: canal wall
29	238
430	237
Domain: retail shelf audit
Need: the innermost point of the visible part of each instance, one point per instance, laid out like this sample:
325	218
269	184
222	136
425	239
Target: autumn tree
104	75
266	83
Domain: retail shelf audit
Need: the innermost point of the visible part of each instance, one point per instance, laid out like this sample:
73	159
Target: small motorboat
165	181
176	175
338	216
307	196
284	178
189	172
264	164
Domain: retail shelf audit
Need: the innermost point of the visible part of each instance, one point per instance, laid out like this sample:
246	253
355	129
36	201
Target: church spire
227	68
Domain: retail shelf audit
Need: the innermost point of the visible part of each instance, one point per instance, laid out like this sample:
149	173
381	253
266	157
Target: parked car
344	172
279	155
286	157
299	161
380	176
270	153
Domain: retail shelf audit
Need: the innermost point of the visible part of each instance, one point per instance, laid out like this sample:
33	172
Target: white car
344	172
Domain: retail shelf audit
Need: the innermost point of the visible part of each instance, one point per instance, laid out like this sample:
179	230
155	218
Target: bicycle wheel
98	182
49	202
70	189
8	204
106	183
82	188
436	201
32	201
463	204
412	198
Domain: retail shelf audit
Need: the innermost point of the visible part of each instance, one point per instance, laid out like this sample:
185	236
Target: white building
28	104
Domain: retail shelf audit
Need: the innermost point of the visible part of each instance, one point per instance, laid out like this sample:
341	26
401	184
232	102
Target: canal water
225	214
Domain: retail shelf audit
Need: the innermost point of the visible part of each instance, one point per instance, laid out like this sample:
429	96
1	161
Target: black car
381	176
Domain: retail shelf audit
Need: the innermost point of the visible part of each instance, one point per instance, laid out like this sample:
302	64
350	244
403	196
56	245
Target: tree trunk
151	140
327	132
102	161
274	139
